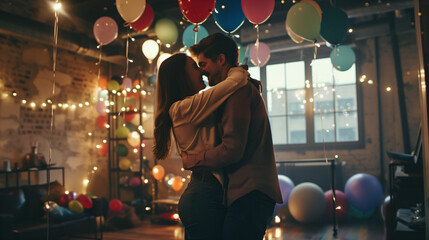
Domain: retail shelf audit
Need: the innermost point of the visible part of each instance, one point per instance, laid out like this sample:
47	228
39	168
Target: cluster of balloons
306	202
76	204
170	180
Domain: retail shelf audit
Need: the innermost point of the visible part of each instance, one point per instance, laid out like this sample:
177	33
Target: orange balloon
102	83
103	150
177	183
158	172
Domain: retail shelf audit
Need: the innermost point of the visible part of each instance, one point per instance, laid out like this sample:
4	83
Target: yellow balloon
293	36
75	206
124	164
130	10
315	5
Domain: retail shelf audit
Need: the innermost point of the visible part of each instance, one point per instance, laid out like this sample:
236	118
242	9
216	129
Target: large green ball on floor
307	202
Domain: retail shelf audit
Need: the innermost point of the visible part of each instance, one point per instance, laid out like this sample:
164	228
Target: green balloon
122	132
304	21
356	213
113	85
166	30
342	57
75	206
121	150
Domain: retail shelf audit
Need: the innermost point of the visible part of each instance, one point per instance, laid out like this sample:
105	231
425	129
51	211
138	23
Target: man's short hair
214	45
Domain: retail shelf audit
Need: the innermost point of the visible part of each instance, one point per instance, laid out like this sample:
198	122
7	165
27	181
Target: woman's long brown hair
172	85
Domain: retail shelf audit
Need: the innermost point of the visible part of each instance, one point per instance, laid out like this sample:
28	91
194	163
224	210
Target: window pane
276	102
327	133
254	73
278	129
295	75
347	126
276	76
345	97
323	99
295	101
345	77
321	71
296	129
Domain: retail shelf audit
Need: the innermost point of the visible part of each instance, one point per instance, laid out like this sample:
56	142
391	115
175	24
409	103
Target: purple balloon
259	56
100	107
105	30
363	191
127	83
286	186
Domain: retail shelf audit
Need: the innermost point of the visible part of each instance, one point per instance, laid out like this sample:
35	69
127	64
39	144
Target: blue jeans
201	209
247	218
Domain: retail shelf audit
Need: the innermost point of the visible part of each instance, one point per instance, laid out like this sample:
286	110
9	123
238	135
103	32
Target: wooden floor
371	229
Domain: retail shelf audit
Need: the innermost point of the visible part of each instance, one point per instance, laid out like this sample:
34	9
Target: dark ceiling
34	19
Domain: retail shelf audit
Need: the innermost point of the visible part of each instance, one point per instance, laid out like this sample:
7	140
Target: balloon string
99	64
54	66
195	29
257	45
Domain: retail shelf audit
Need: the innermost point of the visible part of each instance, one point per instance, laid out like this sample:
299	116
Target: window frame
306	55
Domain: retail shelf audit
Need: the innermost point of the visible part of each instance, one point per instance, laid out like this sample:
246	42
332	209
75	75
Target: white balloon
133	139
130	10
150	49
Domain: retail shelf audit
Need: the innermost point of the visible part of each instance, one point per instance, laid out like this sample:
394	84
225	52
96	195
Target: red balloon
103	150
101	122
145	20
257	11
341	203
130	116
115	205
85	200
65	199
197	11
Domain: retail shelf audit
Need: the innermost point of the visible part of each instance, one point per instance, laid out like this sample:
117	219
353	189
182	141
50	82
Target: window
310	110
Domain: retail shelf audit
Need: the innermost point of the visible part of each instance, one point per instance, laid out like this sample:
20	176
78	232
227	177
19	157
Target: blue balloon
342	58
228	15
189	35
151	80
363	191
286	186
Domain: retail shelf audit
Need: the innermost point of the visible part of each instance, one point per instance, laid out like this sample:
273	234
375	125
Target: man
246	149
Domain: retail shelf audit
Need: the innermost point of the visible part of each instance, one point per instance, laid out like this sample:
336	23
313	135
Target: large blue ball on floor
363	191
307	202
286	186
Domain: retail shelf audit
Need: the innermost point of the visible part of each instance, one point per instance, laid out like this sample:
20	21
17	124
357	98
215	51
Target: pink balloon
260	56
105	30
127	83
257	11
100	107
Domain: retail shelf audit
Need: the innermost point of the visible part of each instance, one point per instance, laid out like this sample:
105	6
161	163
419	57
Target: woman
181	107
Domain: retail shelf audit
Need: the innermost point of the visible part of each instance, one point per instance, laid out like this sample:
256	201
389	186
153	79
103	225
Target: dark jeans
247	218
201	209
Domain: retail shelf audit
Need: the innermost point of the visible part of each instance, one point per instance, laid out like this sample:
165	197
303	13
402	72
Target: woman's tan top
194	124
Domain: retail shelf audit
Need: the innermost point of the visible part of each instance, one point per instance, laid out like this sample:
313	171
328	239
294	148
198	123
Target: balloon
133	139
228	15
130	10
341	204
121	150
307	202
85	200
257	11
145	20
113	85
166	30
342	57
158	172
134	181
304	20
127	83
363	191
115	205
122	132
75	206
188	37
102	83
124	164
150	49
65	199
73	194
334	26
168	180
131	126
292	35
177	183
130	115
315	5
286	186
260	56
105	30
197	11
101	121
100	107
103	95
103	149
356	213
